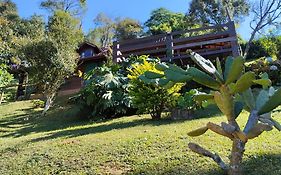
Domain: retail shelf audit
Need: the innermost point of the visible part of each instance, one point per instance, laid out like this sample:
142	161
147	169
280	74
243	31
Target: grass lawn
60	143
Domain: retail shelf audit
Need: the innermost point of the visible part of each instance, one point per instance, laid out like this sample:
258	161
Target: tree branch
199	150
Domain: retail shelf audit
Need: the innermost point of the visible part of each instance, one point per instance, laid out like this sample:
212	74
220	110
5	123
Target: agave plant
231	92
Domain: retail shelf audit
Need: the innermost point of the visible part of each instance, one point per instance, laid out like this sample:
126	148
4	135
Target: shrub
38	103
105	93
149	97
272	68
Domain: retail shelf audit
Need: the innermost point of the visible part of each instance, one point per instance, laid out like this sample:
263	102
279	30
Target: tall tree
214	12
74	7
162	21
103	32
127	29
266	13
54	57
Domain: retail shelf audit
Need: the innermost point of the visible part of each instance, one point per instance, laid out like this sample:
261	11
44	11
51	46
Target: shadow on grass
267	164
60	118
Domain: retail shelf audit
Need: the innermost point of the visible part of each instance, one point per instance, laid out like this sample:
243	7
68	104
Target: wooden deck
214	41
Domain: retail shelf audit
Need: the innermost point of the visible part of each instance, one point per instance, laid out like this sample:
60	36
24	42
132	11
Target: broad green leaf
169	85
228	63
197	132
238	107
219	66
236	70
161	66
248	98
244	82
163	81
224	104
203	78
272	103
264	82
262	98
205	64
203	97
177	69
153	75
176	76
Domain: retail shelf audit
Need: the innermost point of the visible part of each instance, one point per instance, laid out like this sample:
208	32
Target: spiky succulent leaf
272	103
258	129
153	75
198	132
205	64
202	78
264	82
244	82
235	70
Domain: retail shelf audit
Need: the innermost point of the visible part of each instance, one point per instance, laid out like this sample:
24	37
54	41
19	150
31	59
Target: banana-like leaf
198	131
244	82
161	66
228	63
248	98
176	76
264	82
258	129
224	104
272	103
262	98
236	70
202	97
153	75
202	78
238	108
205	64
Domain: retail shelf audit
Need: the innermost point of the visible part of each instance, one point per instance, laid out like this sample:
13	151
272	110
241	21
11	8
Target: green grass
61	143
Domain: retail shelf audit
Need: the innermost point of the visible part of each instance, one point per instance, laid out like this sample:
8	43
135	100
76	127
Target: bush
148	97
272	68
38	103
105	93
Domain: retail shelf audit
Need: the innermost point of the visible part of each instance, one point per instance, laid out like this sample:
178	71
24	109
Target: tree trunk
237	152
49	102
1	97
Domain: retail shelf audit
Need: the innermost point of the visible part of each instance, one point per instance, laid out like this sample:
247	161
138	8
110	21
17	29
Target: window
87	53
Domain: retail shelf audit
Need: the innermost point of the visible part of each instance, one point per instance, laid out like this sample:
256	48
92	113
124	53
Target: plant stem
238	148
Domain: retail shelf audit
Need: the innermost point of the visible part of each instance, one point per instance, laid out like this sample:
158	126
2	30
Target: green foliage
149	96
5	79
38	103
106	92
214	12
187	101
127	29
268	65
163	21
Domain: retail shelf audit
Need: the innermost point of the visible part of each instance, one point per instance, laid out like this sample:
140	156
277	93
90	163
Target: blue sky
137	9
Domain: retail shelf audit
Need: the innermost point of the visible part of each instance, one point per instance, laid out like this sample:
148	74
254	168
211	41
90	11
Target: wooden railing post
169	47
234	44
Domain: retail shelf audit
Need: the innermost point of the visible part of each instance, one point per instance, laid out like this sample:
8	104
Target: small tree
54	58
127	29
5	79
147	95
230	89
